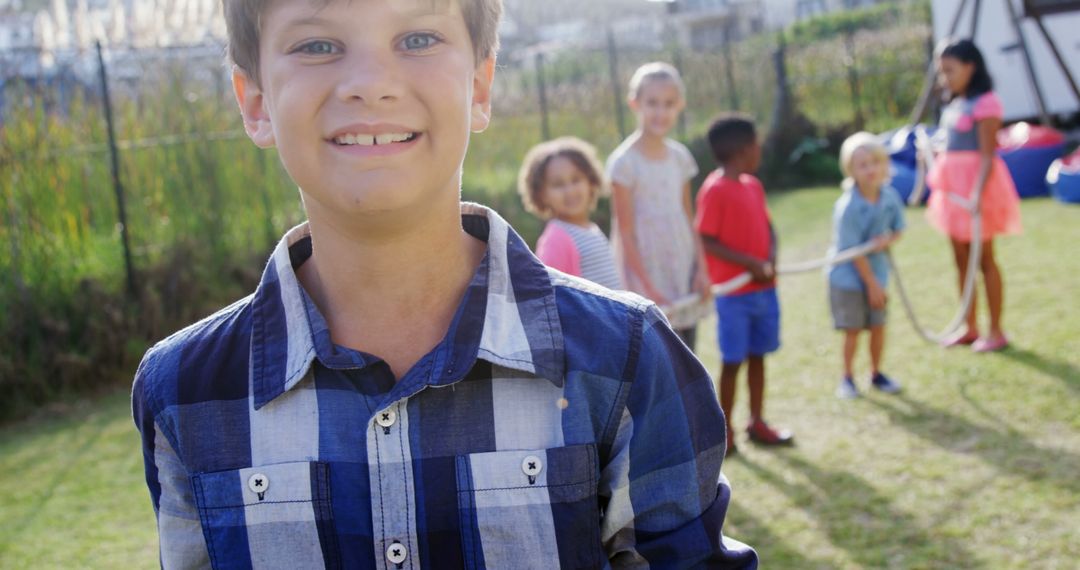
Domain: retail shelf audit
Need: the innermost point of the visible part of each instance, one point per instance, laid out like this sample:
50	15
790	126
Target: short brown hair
243	19
534	169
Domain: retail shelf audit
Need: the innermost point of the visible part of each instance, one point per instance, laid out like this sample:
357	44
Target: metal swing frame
1030	11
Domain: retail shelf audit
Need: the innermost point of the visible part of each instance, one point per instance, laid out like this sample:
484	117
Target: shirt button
397	553
386	418
532	466
258	483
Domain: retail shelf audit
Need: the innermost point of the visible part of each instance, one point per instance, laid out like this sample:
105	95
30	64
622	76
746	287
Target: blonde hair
856	142
243	22
656	71
534	171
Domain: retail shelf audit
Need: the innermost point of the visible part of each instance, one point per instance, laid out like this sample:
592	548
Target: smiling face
867	169
567	192
658	104
369	102
955	75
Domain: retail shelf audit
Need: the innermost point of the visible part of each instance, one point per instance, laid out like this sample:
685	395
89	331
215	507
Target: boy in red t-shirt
733	222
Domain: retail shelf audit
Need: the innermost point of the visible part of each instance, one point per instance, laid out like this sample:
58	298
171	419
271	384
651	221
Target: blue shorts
748	325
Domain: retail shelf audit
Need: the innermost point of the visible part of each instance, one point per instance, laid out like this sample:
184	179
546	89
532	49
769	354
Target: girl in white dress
656	249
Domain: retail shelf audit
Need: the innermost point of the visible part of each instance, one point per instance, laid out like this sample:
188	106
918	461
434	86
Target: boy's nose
369	79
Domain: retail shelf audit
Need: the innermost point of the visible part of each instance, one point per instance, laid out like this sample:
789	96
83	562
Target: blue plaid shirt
557	425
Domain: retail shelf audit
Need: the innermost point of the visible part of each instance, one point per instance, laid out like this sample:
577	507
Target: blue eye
420	41
317	47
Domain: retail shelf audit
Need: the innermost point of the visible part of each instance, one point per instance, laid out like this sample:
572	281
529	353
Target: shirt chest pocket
278	515
530	509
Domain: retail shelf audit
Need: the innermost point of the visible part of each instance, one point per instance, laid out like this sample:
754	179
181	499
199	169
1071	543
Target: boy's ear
251	100
632	103
481	101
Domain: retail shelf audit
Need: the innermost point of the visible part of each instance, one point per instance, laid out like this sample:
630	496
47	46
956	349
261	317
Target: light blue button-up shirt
857	221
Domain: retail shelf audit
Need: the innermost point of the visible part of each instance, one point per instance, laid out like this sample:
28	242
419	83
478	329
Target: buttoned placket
392	487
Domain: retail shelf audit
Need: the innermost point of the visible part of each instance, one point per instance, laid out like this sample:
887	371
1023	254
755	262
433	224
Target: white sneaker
847	390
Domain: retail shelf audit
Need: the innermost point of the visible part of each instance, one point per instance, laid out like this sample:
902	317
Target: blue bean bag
902	179
1029	150
900	143
1063	178
901	146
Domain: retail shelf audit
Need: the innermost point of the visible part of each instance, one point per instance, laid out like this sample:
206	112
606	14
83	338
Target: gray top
960	116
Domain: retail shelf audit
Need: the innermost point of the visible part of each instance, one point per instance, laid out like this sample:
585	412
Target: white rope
974	207
924	164
737	282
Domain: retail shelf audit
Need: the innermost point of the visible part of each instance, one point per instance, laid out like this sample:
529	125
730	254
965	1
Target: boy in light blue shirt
868	210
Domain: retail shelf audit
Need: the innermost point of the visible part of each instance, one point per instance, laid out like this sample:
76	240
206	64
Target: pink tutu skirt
956	173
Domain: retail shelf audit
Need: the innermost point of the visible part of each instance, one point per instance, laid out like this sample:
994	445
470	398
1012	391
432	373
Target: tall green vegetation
200	202
205	206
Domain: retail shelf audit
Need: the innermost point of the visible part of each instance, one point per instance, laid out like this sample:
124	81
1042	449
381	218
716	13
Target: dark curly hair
534	170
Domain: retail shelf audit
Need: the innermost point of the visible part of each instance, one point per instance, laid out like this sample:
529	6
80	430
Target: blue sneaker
847	390
885	384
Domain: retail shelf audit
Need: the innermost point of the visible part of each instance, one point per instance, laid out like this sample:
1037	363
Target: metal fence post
783	106
117	186
729	69
613	68
545	125
853	77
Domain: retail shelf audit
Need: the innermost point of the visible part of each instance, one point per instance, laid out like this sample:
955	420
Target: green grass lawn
975	465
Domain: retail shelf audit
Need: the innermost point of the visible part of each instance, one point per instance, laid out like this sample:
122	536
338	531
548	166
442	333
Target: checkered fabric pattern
557	425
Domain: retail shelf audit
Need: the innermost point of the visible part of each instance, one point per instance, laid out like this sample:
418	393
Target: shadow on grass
62	469
862	521
773	551
1006	449
1064	371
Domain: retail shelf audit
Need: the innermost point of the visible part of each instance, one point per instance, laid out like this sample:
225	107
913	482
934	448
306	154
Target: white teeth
369	140
392	138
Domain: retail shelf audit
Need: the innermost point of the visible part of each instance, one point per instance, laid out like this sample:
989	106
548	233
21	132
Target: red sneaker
965	339
761	433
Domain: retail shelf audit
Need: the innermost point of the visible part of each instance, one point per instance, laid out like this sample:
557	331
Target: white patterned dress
665	239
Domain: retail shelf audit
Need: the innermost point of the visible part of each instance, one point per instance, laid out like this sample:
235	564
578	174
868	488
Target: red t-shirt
737	215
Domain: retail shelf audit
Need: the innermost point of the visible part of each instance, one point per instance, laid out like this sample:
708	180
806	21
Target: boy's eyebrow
419	8
425	7
309	21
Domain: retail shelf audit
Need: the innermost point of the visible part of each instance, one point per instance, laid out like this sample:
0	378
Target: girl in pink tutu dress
971	122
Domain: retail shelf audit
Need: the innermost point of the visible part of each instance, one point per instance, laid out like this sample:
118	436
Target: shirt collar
520	323
860	200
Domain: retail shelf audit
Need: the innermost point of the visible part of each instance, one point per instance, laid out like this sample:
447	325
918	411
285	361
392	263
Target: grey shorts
851	310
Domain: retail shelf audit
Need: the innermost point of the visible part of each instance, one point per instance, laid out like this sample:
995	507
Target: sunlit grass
973	466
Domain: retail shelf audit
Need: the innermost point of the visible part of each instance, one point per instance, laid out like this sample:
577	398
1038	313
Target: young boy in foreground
409	387
733	221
